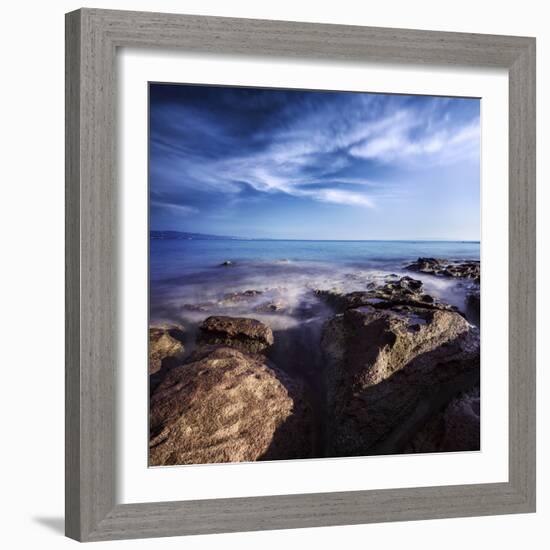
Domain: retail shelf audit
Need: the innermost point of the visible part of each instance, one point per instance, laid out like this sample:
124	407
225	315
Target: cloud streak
213	146
442	145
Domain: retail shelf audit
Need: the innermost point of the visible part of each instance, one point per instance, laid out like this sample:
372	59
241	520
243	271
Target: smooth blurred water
184	272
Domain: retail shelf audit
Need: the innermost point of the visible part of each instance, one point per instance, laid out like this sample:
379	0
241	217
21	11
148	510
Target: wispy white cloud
443	145
306	152
338	196
181	208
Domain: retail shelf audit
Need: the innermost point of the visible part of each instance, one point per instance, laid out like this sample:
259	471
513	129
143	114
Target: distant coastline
183	235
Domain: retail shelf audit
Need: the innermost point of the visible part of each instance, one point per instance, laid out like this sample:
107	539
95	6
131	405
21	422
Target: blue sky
313	165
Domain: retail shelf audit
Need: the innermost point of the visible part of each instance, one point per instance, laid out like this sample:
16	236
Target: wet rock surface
445	268
404	291
249	335
388	371
228	406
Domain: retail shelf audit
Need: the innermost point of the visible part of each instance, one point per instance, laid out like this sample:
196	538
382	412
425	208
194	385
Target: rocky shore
446	268
398	372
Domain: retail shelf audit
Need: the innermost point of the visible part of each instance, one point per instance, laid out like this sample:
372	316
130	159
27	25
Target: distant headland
182	235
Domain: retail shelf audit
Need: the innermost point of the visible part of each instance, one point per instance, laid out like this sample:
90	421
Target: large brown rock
389	370
166	347
249	335
227	406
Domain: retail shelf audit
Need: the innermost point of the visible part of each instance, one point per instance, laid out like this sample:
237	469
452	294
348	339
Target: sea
187	275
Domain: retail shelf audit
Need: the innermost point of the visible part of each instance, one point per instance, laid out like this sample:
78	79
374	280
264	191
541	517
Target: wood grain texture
72	277
522	274
91	209
223	35
92	37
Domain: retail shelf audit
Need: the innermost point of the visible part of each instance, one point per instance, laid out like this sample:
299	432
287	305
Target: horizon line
236	238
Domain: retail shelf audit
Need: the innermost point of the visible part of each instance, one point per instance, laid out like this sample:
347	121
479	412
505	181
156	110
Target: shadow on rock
388	372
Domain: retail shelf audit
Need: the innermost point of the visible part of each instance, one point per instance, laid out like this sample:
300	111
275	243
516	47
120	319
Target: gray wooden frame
92	39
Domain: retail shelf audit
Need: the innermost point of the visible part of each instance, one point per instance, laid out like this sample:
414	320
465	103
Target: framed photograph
300	275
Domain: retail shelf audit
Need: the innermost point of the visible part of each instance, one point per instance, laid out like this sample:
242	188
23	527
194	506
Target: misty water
184	272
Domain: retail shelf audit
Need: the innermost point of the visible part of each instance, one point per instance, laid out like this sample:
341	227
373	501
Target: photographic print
314	274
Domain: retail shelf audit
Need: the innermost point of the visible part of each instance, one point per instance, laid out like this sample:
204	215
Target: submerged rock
228	406
166	347
242	333
228	300
199	307
263	301
389	370
273	306
239	297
